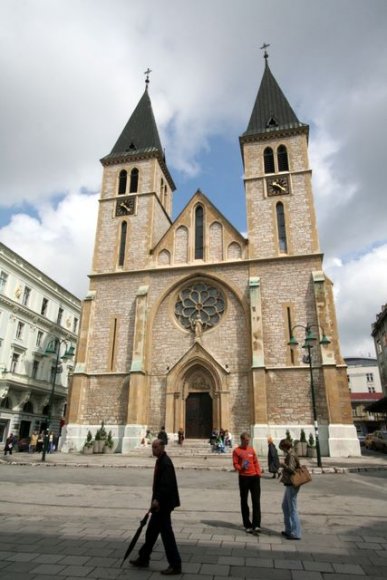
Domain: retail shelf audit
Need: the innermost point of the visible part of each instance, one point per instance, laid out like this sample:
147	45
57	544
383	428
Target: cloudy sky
72	72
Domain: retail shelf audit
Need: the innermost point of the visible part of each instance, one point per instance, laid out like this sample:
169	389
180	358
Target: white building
35	313
365	386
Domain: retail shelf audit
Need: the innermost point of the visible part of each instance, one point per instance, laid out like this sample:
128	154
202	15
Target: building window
28	408
281	227
60	316
282	158
122	182
75	325
39	338
371	389
370	377
199	237
19	330
268	159
35	369
121	257
14	362
133	181
43	310
26	295
5	403
3	281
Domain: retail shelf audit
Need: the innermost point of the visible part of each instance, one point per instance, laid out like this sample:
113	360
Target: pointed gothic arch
197	372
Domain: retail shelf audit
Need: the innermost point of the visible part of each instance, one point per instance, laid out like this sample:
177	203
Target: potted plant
109	444
289	437
303	444
100	438
311	446
88	445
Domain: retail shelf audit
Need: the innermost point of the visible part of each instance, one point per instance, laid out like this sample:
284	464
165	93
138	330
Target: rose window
202	302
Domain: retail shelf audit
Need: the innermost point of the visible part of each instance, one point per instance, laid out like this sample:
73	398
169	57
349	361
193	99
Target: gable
219	240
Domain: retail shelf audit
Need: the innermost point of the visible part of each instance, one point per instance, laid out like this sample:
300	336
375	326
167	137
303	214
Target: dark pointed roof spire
140	134
271	111
140	138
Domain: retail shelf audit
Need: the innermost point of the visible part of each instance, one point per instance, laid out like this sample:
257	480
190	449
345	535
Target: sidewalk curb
313	470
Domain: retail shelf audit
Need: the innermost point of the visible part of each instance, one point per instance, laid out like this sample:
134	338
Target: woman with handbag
272	458
289	503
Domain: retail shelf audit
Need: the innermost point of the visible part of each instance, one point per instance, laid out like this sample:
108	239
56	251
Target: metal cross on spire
264	47
147	73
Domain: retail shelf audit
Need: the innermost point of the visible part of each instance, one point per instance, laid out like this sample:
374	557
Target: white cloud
360	287
72	73
60	241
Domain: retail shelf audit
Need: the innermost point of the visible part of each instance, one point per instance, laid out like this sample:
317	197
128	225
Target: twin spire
271	112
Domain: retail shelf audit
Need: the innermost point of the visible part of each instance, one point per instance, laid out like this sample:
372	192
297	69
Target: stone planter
108	449
98	446
301	449
312	452
88	450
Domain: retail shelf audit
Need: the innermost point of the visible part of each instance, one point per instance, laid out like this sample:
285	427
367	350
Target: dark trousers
250	484
160	523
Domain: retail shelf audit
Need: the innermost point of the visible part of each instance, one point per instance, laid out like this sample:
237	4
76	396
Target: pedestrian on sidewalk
247	465
292	522
33	442
165	498
162	435
9	443
180	436
272	458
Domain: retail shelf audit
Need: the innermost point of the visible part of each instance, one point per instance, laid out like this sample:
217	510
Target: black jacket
165	489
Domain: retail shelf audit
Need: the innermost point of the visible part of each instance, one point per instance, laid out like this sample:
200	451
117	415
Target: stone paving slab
89	543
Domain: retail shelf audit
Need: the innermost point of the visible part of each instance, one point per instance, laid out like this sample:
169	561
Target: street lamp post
54	347
310	339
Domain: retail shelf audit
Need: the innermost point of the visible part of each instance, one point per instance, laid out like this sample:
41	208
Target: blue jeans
289	507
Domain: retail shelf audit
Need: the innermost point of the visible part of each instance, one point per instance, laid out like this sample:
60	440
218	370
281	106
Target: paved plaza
73	518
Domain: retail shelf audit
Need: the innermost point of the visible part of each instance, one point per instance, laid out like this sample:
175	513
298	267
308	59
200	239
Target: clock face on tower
277	185
125	206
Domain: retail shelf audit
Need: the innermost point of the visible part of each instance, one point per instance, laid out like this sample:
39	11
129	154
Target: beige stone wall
160	260
301	229
283	284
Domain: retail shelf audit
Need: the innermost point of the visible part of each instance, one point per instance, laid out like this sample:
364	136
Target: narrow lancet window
121	258
199	215
122	182
282	158
133	181
268	158
283	247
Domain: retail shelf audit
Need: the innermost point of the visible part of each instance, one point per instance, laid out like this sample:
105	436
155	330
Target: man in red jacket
247	465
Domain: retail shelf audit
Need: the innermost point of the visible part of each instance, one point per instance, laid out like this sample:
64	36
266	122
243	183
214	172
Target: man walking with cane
165	498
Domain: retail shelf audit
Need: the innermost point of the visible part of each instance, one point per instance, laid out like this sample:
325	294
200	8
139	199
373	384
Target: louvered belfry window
122	182
282	158
133	180
268	158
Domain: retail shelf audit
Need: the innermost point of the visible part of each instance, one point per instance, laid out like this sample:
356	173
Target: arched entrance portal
198	415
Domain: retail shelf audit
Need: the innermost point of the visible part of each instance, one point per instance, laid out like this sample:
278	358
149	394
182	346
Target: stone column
138	395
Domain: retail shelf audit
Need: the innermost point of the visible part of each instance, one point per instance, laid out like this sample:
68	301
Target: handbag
300	476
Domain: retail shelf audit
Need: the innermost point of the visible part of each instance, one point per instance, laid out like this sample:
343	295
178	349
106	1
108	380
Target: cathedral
188	323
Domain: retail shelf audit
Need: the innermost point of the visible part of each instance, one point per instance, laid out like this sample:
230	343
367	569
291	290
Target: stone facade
191	328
